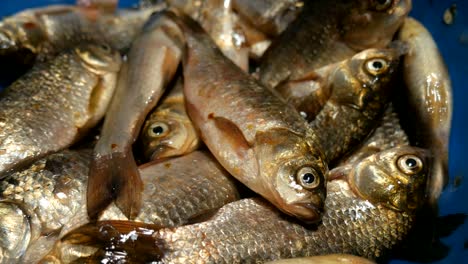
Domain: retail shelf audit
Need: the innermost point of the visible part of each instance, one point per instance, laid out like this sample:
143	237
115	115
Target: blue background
453	43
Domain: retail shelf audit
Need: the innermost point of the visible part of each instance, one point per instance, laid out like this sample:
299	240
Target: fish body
49	30
327	32
46	196
43	202
55	103
270	16
256	136
428	95
151	64
360	90
309	94
253	231
168	131
218	19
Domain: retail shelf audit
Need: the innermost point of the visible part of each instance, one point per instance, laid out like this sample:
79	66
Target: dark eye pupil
158	130
377	64
411	163
308	178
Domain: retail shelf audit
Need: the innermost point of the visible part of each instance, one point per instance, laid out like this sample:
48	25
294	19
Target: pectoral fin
232	135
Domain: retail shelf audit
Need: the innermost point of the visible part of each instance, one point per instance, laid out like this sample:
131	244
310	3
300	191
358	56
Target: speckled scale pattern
43	111
338	128
189	186
52	187
310	44
251	231
388	133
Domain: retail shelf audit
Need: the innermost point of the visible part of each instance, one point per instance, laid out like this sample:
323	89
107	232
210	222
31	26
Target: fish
151	63
428	97
55	104
269	16
39	200
168	131
388	134
49	199
310	93
218	19
252	230
46	31
326	259
260	139
327	32
361	88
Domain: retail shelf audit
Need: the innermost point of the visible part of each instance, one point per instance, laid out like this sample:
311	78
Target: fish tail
137	240
129	185
114	177
101	190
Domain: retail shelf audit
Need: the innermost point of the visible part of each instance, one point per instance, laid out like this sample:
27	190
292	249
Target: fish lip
307	212
160	152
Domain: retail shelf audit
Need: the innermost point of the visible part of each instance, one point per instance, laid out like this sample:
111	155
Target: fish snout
307	212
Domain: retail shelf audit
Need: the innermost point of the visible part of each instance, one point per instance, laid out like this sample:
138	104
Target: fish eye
376	66
96	56
105	48
158	129
308	178
410	164
381	5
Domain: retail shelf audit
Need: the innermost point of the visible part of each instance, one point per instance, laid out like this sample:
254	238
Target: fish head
374	22
365	77
292	173
99	58
21	32
167	134
16	231
395	178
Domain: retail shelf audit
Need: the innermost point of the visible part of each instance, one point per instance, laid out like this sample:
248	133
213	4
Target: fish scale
239	228
48	108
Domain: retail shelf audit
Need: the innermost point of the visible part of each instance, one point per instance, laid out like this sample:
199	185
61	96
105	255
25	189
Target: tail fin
101	191
114	176
138	241
130	185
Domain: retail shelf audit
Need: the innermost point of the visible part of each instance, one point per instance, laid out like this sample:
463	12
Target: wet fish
327	32
270	16
49	30
151	64
168	131
388	134
360	90
253	231
41	203
428	96
40	200
55	104
257	137
309	94
327	259
218	19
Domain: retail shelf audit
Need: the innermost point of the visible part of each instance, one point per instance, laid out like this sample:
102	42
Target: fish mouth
306	212
162	152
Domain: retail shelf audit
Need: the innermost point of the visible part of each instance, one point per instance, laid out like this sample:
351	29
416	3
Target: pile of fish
219	131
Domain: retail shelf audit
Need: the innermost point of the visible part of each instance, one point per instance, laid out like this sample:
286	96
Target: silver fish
428	95
151	64
56	103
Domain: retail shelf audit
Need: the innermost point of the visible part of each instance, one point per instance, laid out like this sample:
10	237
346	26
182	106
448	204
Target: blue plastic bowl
453	44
